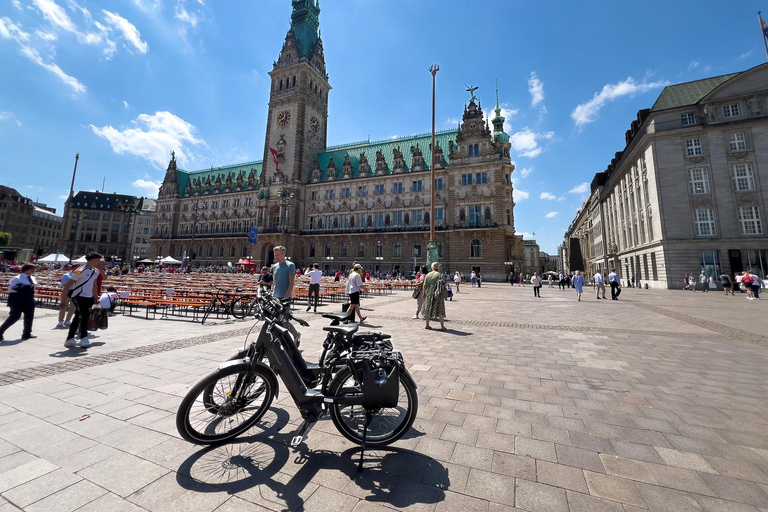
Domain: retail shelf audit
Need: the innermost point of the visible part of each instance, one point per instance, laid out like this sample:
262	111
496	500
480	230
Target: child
450	292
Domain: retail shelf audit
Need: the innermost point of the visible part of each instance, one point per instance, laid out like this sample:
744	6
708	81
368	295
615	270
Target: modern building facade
95	221
45	230
531	257
686	194
143	226
365	201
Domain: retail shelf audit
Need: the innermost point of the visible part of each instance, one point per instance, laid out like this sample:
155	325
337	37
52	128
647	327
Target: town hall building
366	201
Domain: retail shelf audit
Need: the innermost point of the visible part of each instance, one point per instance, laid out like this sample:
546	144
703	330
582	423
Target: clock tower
298	103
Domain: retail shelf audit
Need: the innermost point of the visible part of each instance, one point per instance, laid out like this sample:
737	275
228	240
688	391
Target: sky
123	83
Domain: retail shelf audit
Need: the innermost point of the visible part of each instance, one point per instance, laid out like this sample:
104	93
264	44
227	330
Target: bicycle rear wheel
225	404
387	424
241	307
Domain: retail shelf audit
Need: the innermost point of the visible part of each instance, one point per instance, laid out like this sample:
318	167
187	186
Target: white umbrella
168	260
81	259
54	258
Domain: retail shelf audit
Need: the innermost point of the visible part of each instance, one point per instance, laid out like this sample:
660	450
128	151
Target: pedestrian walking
686	284
473	278
83	289
757	284
599	283
434	297
536	282
727	285
314	286
457	281
69	310
551	280
704	282
578	284
21	300
615	283
692	282
354	283
479	280
449	291
561	278
419	286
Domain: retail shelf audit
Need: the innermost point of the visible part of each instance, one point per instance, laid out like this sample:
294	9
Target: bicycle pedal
296	441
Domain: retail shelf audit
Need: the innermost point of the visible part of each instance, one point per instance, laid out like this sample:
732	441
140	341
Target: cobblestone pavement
656	402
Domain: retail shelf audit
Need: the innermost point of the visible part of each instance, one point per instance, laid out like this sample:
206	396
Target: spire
498	121
305	24
498	108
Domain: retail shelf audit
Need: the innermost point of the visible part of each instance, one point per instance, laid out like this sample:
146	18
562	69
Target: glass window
327	250
471	150
699	181
397	250
315	195
705	222
477	153
330	194
749	219
475	215
397	218
416	186
757	261
743	178
688	119
329	222
345	221
438	183
475	249
731	110
361	220
693	147
710	264
481	177
379	219
417	249
362	191
345	192
737	141
343	250
439	216
378	250
418	217
379	189
360	250
466	179
397	188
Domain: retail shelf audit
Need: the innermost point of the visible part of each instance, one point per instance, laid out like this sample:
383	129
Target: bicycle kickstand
302	433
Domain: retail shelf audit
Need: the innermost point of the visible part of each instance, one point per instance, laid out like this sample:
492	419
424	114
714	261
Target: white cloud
125	105
186	17
693	65
525	171
55	15
9	116
536	88
46	36
150	188
148	5
547	196
453	121
129	31
518	195
153	139
580	189
552	215
586	112
746	54
10	30
16	4
526	142
35	57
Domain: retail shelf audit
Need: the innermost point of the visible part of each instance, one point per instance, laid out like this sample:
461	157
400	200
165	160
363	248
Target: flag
253	234
274	158
764	26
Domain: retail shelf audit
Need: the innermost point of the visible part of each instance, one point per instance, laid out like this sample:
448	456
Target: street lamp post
432	246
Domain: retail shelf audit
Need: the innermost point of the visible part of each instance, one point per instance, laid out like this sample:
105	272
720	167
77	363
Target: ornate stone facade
366	201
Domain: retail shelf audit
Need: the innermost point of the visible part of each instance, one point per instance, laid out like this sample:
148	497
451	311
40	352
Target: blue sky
125	82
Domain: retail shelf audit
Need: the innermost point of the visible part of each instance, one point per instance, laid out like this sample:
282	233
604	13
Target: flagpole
762	32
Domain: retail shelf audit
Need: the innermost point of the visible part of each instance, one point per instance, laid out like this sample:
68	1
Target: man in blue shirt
615	282
284	273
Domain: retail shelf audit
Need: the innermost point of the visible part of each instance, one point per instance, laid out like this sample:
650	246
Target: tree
5	239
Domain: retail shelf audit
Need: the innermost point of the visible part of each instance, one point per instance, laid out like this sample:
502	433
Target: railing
675	124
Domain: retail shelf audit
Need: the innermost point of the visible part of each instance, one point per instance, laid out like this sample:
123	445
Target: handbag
416	293
103	322
93	320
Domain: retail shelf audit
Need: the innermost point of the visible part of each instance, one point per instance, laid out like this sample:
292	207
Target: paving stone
637	451
328	500
614	489
578	502
409	495
473	457
579	458
554	435
662	499
235	504
736	469
737	490
685	460
627	468
692	445
514	428
175	492
454	501
558	475
459	435
514	465
26	470
491	486
114	503
435	448
539	497
494	441
592	443
716	505
68	499
122	474
537	449
42	487
679	478
444	475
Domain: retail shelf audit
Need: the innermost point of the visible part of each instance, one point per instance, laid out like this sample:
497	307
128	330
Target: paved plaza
656	402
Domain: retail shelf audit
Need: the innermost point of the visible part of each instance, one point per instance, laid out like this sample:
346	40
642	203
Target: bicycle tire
349	420
208	396
240	308
265	385
207	312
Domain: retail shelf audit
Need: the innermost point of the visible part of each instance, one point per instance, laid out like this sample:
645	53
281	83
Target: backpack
747	279
441	292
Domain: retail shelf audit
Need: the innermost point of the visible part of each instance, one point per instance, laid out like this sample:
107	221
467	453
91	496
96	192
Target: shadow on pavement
263	468
77	351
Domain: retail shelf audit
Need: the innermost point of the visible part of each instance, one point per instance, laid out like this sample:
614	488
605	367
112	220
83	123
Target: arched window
244	253
386	220
327	250
417	249
232	252
311	250
361	250
294	81
369	221
471	152
439	249
475	249
397	250
210	251
343	250
477	152
221	251
488	214
379	251
281	84
462	216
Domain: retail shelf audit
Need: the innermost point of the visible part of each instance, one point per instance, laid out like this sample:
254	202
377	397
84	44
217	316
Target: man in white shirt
314	286
614	281
354	283
457	281
84	287
599	283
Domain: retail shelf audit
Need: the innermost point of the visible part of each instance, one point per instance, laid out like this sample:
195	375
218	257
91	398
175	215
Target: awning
54	258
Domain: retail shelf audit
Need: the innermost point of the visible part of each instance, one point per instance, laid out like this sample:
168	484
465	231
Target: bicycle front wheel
225	404
240	307
387	424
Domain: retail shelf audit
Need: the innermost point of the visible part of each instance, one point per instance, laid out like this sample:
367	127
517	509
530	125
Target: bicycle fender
268	373
232	362
405	373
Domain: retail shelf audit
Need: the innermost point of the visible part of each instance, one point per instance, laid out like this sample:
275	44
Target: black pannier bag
381	381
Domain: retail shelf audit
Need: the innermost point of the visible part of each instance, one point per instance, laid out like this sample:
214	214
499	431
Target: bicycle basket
381	381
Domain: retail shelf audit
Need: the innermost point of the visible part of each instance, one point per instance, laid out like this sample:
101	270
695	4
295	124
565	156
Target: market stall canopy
168	260
54	258
146	261
246	262
81	259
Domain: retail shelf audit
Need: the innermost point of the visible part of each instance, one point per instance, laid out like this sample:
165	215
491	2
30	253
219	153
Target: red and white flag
274	158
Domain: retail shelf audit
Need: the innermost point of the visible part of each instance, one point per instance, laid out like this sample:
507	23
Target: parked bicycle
220	304
359	381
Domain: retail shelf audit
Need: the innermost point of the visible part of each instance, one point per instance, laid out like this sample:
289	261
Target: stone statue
471	90
711	110
173	155
755	106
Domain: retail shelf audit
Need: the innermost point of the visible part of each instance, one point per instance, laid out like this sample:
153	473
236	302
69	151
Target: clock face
314	124
284	118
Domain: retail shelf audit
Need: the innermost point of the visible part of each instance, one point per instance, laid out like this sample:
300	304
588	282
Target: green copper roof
219	173
690	93
387	148
305	23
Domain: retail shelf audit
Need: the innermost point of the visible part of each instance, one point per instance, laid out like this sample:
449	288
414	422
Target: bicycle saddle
347	330
339	317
